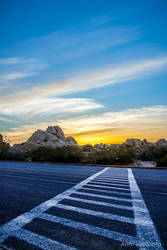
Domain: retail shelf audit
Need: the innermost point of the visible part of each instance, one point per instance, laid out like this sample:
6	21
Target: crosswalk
107	209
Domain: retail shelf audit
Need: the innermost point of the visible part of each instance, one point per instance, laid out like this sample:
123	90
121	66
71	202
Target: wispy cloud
111	74
127	118
8	120
49	106
116	127
16	75
14	60
109	127
16	69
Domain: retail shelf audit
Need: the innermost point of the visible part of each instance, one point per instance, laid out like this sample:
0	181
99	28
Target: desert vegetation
52	146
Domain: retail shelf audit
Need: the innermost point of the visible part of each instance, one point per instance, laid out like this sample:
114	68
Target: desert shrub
160	155
43	154
159	151
99	157
145	154
87	148
4	147
68	154
123	155
17	156
111	156
161	162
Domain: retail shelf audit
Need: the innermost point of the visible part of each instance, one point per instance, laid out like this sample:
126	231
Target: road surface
56	206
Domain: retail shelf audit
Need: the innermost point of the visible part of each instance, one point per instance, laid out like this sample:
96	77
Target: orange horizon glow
118	137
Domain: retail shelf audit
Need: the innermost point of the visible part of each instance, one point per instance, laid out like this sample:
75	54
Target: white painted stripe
40	241
96	213
21	220
108	184
90	229
111	179
111	175
107	191
105	196
89	184
99	203
144	233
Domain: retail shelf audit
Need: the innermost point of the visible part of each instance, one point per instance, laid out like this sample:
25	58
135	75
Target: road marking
88	228
112	181
106	191
11	227
108	184
91	185
112	178
144	233
40	241
101	203
105	196
96	213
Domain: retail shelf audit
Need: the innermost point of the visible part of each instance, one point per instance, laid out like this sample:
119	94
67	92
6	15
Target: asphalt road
56	206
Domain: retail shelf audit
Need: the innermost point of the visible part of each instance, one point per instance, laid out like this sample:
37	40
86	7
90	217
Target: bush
159	151
68	154
146	154
161	162
4	147
99	157
123	155
111	156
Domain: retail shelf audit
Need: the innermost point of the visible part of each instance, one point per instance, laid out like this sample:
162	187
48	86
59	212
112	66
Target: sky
96	68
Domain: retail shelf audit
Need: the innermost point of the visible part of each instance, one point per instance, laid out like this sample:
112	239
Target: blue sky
68	62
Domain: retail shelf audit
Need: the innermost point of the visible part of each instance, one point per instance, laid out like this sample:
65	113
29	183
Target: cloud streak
14	60
49	106
109	75
109	127
12	69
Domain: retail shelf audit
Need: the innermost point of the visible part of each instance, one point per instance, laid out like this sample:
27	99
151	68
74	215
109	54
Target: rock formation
52	137
161	142
101	146
136	143
71	141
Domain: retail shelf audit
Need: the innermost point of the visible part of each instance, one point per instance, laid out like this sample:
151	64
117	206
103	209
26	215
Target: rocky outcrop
133	143
101	146
56	131
52	137
136	143
71	141
161	142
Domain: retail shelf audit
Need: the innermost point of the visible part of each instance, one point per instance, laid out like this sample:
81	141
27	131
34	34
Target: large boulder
137	143
101	146
52	137
57	131
71	141
161	142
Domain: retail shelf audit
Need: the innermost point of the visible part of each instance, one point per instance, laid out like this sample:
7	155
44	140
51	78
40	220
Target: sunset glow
101	76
